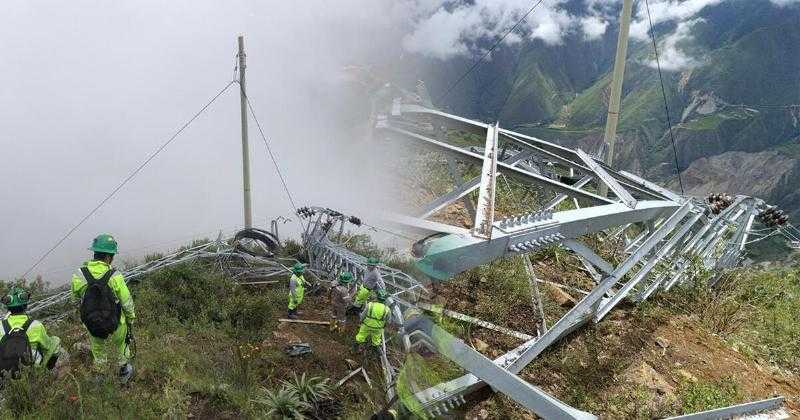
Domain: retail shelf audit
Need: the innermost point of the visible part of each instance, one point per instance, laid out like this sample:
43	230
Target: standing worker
371	283
24	341
373	320
341	299
106	305
296	289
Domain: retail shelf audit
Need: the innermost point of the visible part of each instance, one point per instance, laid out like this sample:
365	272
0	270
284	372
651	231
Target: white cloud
449	30
593	26
671	54
785	2
444	29
666	11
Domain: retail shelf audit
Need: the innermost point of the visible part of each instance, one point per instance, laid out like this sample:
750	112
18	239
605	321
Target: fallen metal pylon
677	235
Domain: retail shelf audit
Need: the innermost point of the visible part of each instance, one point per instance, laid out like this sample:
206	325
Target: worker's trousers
116	341
365	332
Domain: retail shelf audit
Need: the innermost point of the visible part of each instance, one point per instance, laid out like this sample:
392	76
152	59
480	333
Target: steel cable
664	95
126	180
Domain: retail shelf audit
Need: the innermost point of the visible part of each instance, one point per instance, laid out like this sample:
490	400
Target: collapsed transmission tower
668	237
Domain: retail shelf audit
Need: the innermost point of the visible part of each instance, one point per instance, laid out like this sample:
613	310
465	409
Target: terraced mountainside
736	111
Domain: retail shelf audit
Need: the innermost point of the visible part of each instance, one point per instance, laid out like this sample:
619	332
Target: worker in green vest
296	289
106	306
41	349
373	320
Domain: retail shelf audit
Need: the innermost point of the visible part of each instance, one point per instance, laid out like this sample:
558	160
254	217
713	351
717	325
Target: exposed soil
330	353
601	365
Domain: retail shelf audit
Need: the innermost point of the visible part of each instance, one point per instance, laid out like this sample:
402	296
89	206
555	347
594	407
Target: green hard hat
15	298
345	277
298	268
373	261
382	295
104	243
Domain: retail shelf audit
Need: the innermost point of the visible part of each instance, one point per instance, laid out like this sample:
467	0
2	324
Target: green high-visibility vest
377	313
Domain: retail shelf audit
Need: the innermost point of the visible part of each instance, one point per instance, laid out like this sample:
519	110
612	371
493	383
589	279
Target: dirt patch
706	357
631	365
329	353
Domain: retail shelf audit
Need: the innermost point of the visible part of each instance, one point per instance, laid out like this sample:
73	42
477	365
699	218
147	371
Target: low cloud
446	29
593	27
666	11
451	30
672	56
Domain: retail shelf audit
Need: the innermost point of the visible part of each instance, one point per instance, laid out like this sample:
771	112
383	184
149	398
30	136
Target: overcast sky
90	88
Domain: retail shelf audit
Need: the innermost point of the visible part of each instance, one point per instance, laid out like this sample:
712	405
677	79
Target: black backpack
15	349
99	309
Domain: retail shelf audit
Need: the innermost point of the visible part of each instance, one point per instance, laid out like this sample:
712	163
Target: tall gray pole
610	135
248	215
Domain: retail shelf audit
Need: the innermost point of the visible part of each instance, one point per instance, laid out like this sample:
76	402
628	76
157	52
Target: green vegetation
283	403
754	310
204	347
702	396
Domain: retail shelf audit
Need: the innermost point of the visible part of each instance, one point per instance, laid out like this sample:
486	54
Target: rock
560	296
483	414
683	373
82	348
480	345
644	374
662	342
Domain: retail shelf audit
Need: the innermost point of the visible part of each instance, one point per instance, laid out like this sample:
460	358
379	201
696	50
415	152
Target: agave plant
308	389
282	404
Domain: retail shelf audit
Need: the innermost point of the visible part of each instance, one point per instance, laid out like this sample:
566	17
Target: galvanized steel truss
678	236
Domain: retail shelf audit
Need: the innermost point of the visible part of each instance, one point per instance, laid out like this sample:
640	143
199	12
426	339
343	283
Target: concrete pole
610	135
248	215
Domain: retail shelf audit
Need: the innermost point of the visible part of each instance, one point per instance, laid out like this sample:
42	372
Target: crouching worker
24	341
107	309
341	299
373	320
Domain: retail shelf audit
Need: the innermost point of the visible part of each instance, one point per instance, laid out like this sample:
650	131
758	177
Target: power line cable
664	95
126	180
271	155
486	54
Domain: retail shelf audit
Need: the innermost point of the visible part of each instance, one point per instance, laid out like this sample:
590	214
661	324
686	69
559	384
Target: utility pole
248	215
610	135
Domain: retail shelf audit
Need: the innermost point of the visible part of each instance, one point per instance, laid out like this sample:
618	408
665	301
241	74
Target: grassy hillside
207	348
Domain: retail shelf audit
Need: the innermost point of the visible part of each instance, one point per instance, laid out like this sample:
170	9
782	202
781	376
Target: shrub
309	389
282	404
186	292
292	249
249	314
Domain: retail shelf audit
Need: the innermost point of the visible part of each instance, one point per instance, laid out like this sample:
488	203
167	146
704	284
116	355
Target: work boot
125	373
292	314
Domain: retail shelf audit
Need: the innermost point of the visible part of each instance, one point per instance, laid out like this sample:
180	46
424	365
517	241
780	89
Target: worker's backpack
99	309
15	349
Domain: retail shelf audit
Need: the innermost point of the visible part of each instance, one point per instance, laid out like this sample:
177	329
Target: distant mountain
734	111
